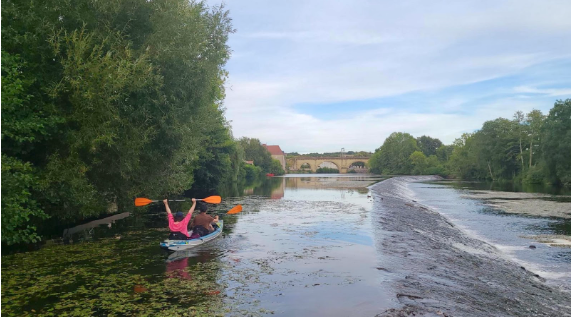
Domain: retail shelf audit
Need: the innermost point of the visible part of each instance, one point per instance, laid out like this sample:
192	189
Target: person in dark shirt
202	223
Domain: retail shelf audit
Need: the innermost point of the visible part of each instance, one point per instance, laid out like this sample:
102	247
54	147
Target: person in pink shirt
178	224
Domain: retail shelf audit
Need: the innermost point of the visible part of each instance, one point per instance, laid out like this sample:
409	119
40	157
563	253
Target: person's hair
202	207
178	216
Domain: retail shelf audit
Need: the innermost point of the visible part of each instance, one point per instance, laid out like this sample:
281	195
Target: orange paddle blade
140	202
212	199
235	209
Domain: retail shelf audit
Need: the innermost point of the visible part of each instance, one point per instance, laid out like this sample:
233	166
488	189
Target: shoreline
438	270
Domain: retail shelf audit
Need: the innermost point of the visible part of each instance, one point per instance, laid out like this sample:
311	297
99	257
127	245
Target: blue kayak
178	245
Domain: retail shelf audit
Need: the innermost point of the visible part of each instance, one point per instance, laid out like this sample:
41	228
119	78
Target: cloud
291	60
549	92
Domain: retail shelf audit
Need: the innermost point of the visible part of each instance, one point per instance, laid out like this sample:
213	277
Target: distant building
277	153
248	162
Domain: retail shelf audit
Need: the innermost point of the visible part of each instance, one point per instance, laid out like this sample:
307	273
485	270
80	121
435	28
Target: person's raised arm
192	206
166	206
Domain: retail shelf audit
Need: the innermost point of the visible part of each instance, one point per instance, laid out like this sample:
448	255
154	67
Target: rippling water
304	245
299	248
507	232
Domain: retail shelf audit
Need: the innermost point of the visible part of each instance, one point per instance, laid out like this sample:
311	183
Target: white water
505	232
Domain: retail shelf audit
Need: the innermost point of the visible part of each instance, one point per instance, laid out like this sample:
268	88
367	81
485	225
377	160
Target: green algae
110	277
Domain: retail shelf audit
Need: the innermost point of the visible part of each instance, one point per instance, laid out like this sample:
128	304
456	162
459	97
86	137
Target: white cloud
549	92
305	52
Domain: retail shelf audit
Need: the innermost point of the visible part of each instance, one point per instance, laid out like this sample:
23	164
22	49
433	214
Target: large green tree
106	100
393	156
556	135
534	121
428	145
256	152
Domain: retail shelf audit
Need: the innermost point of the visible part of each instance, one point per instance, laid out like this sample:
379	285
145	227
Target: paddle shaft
177	200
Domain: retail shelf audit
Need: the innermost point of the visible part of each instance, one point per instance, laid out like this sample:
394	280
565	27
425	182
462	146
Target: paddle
235	209
140	202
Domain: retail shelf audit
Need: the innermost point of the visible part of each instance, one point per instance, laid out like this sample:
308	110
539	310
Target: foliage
426	165
443	152
327	170
256	152
533	126
418	160
534	148
276	168
535	174
428	145
18	180
252	172
556	135
393	156
103	101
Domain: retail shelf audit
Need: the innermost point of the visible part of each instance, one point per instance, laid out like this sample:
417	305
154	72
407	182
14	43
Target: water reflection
87	229
302	243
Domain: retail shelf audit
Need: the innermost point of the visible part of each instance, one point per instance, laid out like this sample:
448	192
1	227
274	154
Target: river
304	245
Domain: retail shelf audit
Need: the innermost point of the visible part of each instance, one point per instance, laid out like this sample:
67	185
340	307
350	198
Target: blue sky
318	76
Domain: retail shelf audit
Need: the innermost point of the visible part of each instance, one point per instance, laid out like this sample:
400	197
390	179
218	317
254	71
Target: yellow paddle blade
212	199
140	202
235	209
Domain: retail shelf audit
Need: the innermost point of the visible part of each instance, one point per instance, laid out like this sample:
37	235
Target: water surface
299	248
508	232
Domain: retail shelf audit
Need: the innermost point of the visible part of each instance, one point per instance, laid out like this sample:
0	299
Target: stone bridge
344	164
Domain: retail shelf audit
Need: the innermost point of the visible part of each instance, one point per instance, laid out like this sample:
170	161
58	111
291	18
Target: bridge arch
328	164
306	166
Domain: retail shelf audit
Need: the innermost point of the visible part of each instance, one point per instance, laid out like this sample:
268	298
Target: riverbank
437	269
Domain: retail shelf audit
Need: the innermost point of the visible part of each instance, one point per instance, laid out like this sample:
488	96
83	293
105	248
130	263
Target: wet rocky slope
437	269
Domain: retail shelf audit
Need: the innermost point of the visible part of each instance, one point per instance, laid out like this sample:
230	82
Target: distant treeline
330	154
104	101
531	148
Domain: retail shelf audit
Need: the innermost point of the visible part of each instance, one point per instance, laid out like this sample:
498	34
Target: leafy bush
19	209
251	172
535	175
327	170
276	168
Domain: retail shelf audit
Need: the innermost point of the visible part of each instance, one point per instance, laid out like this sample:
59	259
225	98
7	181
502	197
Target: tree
498	149
463	160
534	121
256	152
443	152
276	168
418	160
103	101
519	120
555	140
393	156
428	145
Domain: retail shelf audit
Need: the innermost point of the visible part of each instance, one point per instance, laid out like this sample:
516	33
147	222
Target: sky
318	76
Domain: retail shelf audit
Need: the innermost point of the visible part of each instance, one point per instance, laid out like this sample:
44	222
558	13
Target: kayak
178	245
